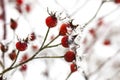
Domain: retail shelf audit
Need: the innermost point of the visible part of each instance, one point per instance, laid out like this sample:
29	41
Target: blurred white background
93	52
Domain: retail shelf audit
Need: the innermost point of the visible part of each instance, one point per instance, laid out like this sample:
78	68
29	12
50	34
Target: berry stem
31	58
1	64
45	38
51	41
85	76
49	57
3	57
68	76
53	45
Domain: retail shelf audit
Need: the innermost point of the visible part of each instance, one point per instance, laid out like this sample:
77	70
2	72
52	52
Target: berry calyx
51	21
21	46
64	41
73	67
13	24
69	56
12	55
72	26
63	29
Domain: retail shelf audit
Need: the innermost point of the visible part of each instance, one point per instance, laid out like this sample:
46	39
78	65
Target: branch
103	64
1	64
15	59
68	76
53	45
94	15
2	3
49	57
31	58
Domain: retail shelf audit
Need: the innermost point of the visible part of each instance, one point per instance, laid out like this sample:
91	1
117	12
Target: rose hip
69	56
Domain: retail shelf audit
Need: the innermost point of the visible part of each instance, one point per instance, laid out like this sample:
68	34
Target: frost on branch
59	40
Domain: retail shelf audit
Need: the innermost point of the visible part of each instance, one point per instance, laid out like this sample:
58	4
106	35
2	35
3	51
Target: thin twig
85	76
52	41
1	64
45	37
68	76
53	45
103	64
15	59
94	15
78	9
31	58
49	57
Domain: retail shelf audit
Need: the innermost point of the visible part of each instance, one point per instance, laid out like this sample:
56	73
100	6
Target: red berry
19	2
23	67
12	55
92	32
3	48
100	22
63	29
107	42
13	24
24	57
34	47
51	21
73	67
117	1
64	41
27	8
69	56
21	46
32	36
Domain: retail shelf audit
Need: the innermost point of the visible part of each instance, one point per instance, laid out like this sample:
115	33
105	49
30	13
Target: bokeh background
98	43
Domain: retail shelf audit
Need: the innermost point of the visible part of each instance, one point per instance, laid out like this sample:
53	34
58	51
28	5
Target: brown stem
103	64
68	76
94	15
49	57
2	3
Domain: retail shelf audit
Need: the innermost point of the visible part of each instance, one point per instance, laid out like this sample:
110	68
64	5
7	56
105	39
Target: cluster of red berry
19	4
51	21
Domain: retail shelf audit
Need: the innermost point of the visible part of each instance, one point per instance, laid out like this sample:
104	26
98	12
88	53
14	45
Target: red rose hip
23	67
19	2
13	24
51	21
21	46
73	67
69	56
106	42
64	41
63	29
13	55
